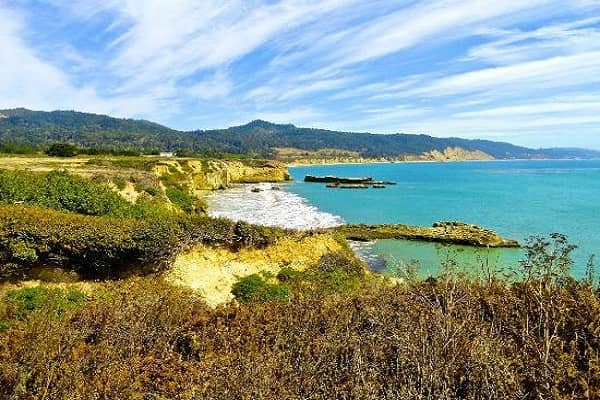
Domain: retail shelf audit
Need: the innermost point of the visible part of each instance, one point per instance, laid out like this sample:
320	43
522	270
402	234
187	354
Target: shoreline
296	165
269	206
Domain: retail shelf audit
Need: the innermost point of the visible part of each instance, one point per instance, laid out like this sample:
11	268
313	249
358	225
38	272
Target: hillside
257	138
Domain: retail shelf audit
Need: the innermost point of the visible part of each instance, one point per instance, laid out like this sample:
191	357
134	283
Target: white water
270	207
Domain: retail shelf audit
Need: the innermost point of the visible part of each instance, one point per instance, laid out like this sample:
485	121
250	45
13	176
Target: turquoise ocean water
515	198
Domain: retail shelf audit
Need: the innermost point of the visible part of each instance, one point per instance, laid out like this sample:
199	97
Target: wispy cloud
515	46
172	40
555	72
217	86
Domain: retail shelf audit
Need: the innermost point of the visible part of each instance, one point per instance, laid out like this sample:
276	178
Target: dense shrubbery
31	236
92	245
443	339
66	192
339	272
19	148
40	298
62	150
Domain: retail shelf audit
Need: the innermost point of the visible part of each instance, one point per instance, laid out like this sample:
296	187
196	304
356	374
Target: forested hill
261	138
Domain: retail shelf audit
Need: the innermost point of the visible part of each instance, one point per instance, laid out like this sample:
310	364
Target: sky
526	72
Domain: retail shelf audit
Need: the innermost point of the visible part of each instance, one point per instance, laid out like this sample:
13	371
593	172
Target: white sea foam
269	206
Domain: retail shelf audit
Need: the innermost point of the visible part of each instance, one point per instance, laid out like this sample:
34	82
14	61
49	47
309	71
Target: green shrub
337	272
180	198
337	282
37	298
288	274
173	179
65	192
62	150
19	148
152	191
121	184
91	245
246	234
253	288
341	261
22	251
99	246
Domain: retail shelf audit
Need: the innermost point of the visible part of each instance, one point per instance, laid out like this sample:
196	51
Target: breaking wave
271	206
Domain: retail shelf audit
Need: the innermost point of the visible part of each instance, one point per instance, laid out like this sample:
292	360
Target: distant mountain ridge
259	138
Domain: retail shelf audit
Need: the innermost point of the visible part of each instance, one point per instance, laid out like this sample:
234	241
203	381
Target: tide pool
517	199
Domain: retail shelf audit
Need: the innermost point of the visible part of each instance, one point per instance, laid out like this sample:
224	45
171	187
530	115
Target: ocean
517	199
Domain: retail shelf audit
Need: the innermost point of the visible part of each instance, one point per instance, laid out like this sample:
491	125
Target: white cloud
171	40
555	72
281	91
306	61
438	21
28	80
24	78
527	110
217	87
510	47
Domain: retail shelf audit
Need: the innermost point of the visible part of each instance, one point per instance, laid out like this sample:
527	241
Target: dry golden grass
143	339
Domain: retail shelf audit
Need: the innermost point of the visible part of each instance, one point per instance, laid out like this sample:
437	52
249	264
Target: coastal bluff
440	232
143	177
220	174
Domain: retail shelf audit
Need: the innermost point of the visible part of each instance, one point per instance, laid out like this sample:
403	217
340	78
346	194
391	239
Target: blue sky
527	72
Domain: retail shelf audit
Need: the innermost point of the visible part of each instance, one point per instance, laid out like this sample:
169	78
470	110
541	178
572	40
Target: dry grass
144	339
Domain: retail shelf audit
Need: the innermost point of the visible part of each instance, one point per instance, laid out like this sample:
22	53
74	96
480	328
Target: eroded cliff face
212	271
261	171
200	175
449	154
455	154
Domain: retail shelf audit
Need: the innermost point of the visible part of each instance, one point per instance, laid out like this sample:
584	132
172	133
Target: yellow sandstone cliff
213	271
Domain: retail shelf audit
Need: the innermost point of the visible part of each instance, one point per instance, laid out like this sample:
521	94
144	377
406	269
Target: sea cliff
137	177
448	154
221	174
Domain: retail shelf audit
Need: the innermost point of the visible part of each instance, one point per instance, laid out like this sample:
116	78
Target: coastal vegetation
168	303
306	335
61	219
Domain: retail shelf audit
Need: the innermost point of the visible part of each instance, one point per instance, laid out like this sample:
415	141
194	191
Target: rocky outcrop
442	232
